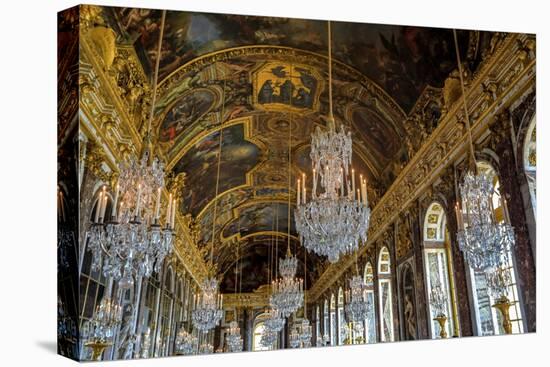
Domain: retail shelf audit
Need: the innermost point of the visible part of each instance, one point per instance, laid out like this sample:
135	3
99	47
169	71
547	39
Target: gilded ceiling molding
512	69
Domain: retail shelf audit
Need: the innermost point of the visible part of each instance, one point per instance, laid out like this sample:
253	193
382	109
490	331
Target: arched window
333	339
488	319
530	161
257	337
370	322
385	295
436	263
341	320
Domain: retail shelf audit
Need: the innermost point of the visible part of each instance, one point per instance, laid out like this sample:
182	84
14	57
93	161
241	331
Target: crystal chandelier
207	311
294	338
357	307
498	282
274	321
485	243
100	330
288	291
130	241
186	343
305	333
234	339
268	338
335	220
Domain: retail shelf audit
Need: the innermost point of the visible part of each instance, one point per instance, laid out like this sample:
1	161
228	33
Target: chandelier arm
467	116
157	65
218	175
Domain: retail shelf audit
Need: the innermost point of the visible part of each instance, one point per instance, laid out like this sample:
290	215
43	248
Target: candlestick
168	211
359	196
157	205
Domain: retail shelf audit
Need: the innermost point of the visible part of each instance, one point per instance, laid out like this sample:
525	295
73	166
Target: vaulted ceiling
257	80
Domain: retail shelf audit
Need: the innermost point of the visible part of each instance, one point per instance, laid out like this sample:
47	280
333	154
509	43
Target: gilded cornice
512	69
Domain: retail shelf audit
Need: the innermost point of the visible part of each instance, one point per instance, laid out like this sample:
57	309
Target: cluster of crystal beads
132	243
438	299
357	307
498	282
294	338
287	293
274	321
185	343
268	338
207	312
333	222
104	323
234	339
206	348
485	243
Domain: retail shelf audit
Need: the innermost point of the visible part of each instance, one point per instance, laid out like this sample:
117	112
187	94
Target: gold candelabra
97	347
441	320
503	305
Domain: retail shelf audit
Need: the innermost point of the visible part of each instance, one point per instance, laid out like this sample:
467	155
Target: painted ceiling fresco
238	156
401	59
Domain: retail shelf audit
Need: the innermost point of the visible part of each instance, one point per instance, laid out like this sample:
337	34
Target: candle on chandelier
96	218
157	205
138	201
115	203
364	192
169	210
353	181
298	193
102	203
103	207
119	217
304	187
